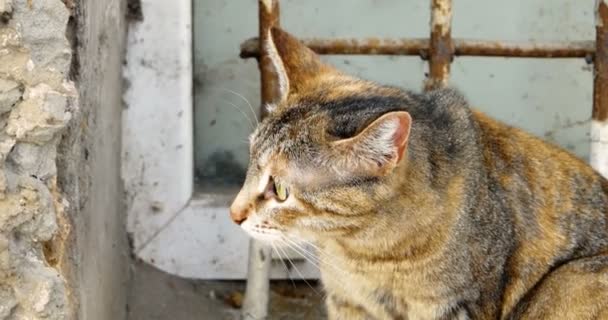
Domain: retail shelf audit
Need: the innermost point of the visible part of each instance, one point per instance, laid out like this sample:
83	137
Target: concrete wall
90	157
63	249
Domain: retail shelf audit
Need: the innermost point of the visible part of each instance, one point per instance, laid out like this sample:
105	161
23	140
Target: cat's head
322	160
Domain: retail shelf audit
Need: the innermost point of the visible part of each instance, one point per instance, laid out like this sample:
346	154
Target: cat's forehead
286	131
314	119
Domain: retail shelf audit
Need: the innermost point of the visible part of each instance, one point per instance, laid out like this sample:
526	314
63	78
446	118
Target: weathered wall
89	160
62	239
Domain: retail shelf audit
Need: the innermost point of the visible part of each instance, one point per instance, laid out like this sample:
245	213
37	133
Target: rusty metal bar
372	46
570	49
599	125
269	17
441	48
600	83
420	47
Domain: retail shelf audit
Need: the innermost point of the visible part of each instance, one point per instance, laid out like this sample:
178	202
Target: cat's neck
414	224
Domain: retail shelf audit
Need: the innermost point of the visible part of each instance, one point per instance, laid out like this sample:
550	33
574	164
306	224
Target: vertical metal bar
269	17
255	304
441	49
599	124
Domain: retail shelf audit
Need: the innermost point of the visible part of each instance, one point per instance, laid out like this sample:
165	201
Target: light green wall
551	98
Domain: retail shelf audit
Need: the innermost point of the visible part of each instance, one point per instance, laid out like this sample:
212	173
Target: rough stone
8	301
4	257
37	102
6	6
33	160
42	27
29	212
37	291
6	144
10	93
40	116
9	38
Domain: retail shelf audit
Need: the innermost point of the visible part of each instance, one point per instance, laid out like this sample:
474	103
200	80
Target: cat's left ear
379	148
296	66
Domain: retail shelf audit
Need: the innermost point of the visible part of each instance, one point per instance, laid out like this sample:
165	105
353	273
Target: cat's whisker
284	264
243	113
246	101
323	257
295	243
311	256
299	273
322	252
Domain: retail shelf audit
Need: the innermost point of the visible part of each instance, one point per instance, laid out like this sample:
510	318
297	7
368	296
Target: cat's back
556	203
538	177
518	159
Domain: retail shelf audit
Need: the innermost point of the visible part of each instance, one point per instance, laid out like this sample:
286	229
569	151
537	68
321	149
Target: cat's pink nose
239	215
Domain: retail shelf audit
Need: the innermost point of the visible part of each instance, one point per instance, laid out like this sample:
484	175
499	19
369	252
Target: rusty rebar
570	49
370	46
268	17
420	47
600	82
441	48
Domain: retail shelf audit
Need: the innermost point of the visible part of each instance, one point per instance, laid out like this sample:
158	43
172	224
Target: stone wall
36	103
62	239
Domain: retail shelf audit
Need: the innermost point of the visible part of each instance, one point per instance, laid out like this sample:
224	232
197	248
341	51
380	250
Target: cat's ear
295	64
379	147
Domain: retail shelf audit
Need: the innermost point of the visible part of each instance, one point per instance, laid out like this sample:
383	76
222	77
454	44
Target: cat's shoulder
444	108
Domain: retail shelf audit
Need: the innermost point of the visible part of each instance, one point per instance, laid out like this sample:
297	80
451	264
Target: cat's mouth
263	231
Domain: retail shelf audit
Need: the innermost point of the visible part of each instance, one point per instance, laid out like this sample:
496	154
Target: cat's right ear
378	149
295	65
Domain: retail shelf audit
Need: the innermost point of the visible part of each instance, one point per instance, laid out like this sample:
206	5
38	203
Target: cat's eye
280	190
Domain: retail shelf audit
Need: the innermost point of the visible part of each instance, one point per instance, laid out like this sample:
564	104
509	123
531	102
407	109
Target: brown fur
451	215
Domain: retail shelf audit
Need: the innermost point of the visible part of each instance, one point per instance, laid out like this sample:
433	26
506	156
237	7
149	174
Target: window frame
173	226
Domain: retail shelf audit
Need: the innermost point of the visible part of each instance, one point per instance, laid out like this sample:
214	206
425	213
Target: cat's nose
239	215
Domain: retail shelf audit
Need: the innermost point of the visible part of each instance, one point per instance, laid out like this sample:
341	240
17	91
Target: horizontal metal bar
570	49
249	48
462	47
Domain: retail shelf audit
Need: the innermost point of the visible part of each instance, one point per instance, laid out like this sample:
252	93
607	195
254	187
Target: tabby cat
421	207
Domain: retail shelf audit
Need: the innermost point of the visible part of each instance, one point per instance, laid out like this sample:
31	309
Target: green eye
281	191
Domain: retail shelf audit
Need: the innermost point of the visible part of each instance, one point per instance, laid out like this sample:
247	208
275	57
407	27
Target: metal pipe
420	47
599	124
370	46
255	304
269	17
571	49
441	48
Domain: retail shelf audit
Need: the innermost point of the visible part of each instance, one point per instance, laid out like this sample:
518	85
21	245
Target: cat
421	207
